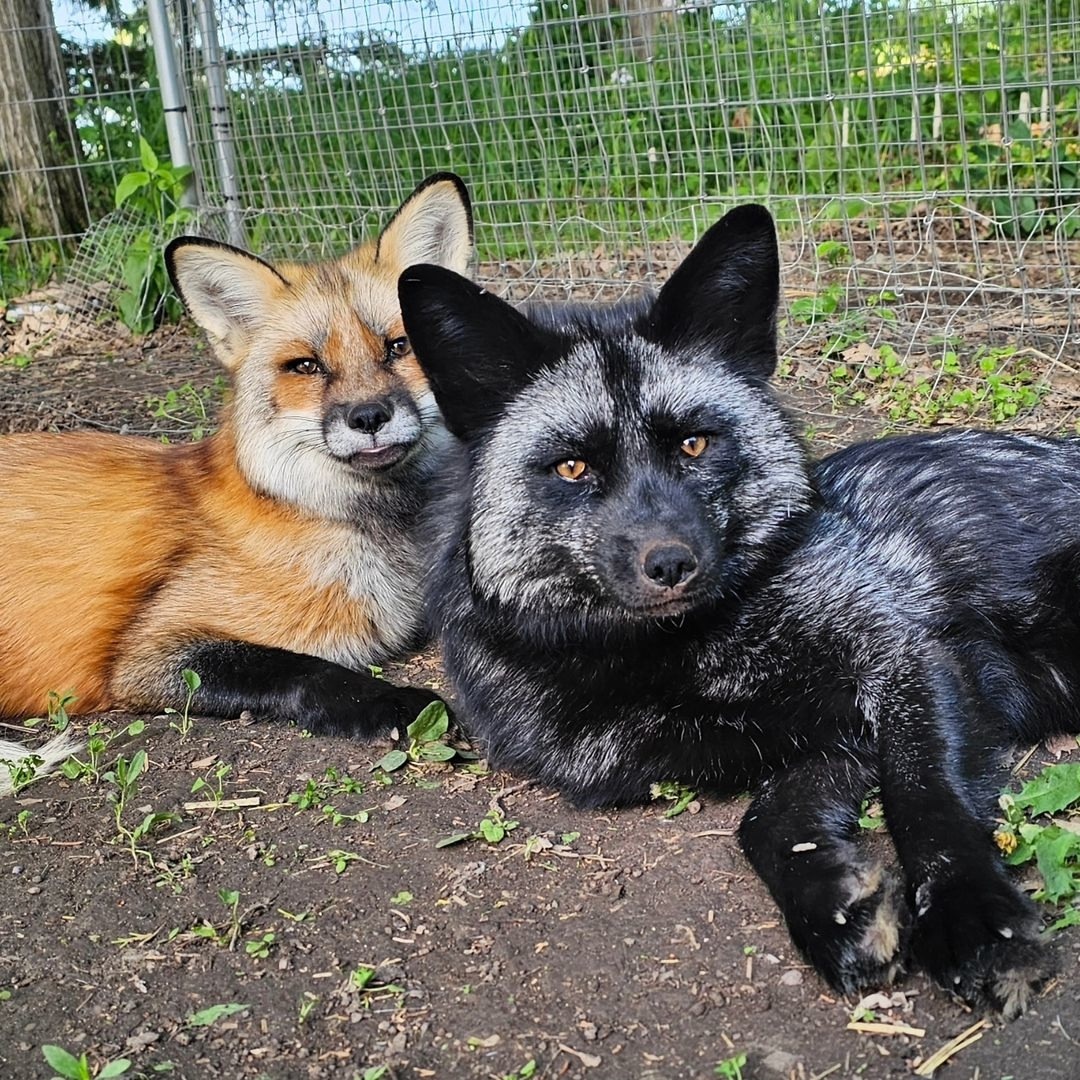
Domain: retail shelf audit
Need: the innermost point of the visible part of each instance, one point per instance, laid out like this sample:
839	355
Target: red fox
279	557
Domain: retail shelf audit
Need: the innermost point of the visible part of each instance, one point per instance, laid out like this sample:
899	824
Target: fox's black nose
368	416
669	565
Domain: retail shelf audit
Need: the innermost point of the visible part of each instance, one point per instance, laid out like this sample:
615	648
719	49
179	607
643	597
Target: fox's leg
973	930
323	697
844	911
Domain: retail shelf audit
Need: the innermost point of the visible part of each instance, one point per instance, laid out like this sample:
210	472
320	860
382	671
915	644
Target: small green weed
342	860
871	812
493	828
69	1067
260	947
679	795
814	309
364	980
426	741
22	772
189	406
153	193
192	682
525	1072
56	711
732	1068
99	738
307	1004
124	780
991	385
1034	830
209	1016
316	793
212	784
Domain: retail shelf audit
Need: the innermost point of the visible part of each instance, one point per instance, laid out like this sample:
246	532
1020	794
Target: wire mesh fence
922	157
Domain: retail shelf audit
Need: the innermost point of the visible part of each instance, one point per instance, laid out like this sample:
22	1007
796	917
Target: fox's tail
57	750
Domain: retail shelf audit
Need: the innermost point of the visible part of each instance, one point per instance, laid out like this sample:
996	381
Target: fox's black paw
404	705
370	710
976	935
852	924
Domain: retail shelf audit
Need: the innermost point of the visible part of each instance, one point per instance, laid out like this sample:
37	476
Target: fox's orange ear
433	225
228	292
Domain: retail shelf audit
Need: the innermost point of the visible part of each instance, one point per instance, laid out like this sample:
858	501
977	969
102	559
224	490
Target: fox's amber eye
572	469
305	366
399	347
694	445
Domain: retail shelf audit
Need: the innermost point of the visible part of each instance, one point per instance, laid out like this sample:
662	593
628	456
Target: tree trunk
41	193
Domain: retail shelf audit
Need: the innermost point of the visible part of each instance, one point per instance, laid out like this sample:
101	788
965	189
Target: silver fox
644	579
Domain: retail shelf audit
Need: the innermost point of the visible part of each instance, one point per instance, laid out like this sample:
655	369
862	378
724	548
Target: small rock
780	1061
792	977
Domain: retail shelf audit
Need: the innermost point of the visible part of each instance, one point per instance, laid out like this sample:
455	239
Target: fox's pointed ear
725	293
433	225
476	350
225	290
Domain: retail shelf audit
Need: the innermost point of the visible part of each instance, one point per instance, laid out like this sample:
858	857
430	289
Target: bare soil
621	945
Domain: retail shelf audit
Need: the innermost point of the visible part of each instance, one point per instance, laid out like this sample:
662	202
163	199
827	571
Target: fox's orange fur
297	527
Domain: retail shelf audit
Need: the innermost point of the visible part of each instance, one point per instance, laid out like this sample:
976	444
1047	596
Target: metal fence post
172	97
221	121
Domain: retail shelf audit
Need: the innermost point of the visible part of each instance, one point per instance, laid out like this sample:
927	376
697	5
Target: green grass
561	127
567	137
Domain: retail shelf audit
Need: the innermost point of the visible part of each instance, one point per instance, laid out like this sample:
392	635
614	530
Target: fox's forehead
333	302
623	385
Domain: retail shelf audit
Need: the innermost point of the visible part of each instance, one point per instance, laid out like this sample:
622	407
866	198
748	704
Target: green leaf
1054	848
1055	788
66	1064
191	679
492	831
431	724
438	752
392	760
129	184
1070	918
115	1068
453	838
211	1015
147	157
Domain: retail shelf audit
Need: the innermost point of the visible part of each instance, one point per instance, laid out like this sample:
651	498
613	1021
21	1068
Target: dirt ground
307	893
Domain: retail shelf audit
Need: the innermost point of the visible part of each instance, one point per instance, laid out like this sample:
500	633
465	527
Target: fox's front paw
360	707
402	705
977	935
851	923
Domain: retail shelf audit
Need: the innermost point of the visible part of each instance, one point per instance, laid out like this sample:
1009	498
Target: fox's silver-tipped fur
645	579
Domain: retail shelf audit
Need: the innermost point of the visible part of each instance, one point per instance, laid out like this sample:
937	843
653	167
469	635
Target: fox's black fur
733	617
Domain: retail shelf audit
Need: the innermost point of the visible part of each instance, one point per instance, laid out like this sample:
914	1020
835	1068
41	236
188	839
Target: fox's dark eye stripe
304	365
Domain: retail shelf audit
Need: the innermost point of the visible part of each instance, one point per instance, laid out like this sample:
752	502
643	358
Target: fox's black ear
725	293
476	350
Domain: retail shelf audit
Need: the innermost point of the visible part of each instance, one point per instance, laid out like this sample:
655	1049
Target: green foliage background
565	131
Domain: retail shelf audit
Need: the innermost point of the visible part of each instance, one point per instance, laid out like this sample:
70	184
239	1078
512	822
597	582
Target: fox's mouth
376	458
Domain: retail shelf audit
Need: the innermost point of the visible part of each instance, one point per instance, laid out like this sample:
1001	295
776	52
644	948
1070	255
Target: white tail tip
56	751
